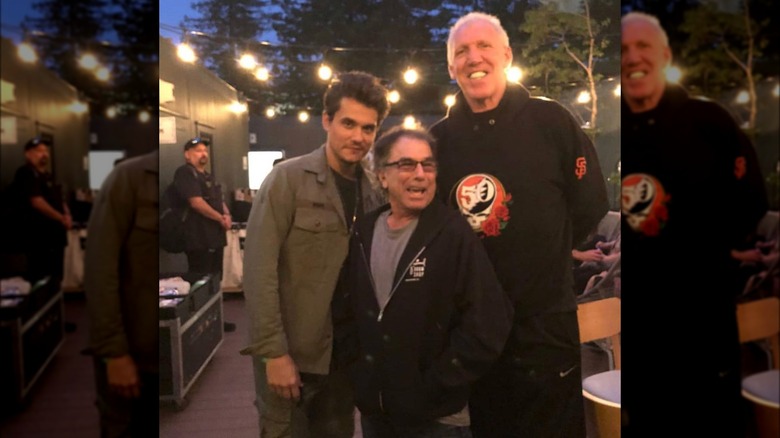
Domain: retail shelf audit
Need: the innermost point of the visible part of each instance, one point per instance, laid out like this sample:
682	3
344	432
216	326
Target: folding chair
599	320
760	320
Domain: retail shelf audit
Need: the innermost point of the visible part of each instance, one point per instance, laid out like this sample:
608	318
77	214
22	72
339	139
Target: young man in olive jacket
121	287
297	239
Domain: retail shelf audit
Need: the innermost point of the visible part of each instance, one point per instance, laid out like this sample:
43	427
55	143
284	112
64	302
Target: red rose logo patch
484	203
644	204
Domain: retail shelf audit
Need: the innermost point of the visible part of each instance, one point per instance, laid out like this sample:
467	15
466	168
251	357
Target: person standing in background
209	216
44	217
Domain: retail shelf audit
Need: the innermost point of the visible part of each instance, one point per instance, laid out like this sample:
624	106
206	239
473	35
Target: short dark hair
363	87
34	142
385	143
191	143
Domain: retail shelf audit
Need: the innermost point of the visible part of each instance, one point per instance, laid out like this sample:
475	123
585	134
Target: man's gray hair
468	18
646	18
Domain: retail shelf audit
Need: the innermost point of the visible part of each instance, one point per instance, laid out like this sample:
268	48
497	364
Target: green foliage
229	28
71	28
715	39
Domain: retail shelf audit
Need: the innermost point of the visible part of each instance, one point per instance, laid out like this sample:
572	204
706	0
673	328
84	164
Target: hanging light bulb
88	61
449	100
238	107
111	112
262	74
411	76
325	72
270	112
144	116
394	96
78	107
103	74
247	61
26	52
303	116
743	97
410	122
514	74
673	74
583	97
185	53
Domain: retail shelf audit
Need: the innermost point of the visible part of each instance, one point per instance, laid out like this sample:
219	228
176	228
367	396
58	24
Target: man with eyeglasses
297	240
527	179
430	313
209	219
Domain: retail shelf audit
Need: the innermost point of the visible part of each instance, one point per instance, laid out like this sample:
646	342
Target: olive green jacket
120	281
296	242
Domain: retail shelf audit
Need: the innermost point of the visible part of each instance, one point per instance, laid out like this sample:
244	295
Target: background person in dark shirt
209	217
44	217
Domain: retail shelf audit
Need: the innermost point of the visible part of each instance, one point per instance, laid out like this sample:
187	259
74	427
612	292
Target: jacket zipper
390	296
382	309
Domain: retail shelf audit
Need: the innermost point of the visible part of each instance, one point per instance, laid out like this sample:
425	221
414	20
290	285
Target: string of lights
90	56
248	59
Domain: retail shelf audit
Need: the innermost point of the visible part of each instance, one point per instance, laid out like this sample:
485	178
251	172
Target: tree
718	40
137	80
228	28
63	31
379	37
561	43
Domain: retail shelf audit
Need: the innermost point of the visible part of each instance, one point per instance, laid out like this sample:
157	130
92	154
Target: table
31	333
190	334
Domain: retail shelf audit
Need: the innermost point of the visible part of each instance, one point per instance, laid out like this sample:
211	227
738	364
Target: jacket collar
432	220
515	98
317	163
673	97
151	162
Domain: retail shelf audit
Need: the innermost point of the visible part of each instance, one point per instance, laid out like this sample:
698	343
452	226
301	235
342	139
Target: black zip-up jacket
529	159
445	323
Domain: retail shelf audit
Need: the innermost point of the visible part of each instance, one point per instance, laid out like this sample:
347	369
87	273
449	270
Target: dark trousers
380	426
326	408
206	261
123	417
535	389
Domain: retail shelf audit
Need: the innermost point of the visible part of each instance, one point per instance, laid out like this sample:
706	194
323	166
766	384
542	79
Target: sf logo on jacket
484	203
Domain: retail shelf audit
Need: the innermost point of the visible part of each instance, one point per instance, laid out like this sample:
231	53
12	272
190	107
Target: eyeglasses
409	165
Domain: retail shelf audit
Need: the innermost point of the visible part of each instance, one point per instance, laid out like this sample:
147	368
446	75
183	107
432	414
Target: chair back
760	319
599	320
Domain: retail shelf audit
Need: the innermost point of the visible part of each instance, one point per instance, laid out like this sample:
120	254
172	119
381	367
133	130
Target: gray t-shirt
387	247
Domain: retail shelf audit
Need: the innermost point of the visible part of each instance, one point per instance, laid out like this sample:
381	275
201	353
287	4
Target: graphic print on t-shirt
484	203
644	203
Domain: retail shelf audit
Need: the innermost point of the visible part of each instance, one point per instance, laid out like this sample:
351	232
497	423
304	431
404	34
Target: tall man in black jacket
691	189
526	177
